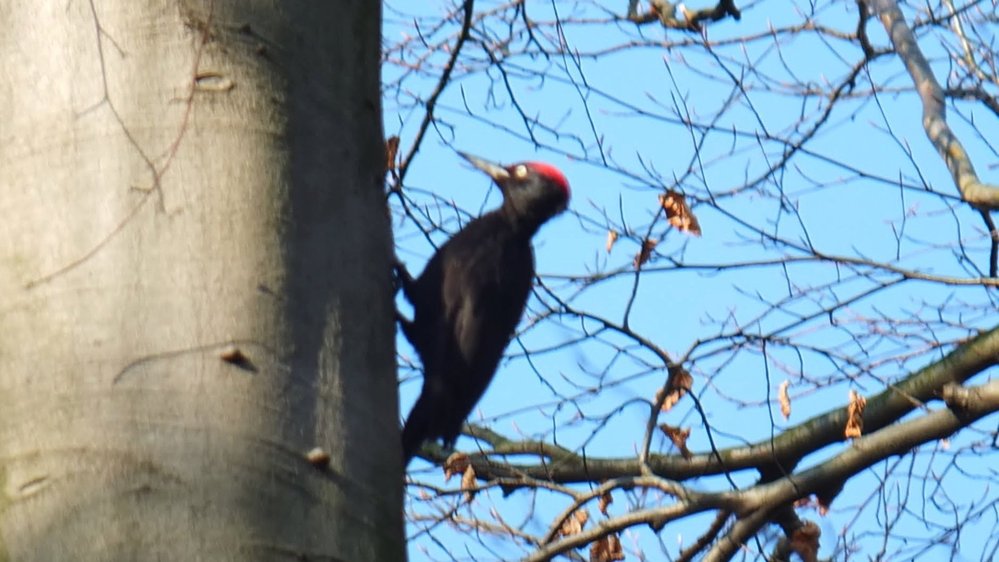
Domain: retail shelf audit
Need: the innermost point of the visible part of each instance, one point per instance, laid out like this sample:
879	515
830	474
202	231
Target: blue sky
868	185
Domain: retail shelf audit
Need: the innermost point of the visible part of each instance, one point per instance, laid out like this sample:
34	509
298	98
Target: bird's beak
495	171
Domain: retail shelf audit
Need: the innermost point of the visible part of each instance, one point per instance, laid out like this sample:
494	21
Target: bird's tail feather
416	430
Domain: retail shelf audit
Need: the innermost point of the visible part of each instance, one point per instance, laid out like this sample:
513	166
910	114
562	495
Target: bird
470	297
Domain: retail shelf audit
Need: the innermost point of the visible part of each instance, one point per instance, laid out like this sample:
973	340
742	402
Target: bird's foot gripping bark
407	327
403	280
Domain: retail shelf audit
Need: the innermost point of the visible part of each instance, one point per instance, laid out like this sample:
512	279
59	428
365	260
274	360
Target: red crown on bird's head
552	174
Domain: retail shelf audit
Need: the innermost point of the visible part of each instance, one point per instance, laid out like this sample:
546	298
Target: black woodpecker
470	297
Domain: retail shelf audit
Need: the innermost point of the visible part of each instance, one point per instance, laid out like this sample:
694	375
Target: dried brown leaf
678	436
605	500
606	549
805	541
678	213
457	463
598	550
678	384
575	523
391	151
645	253
785	400
468	483
614	547
612	236
855	416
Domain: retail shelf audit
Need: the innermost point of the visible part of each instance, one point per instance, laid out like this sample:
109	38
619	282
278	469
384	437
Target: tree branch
785	450
445	79
755	504
978	194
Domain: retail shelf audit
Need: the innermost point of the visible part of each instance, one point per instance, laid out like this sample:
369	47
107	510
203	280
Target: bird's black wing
468	302
483	295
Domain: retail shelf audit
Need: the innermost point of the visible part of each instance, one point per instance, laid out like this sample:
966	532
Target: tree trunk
194	283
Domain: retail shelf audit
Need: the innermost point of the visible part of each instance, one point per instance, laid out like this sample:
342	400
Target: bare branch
786	449
978	194
756	503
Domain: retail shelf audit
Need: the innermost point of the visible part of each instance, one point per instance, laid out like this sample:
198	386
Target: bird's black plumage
470	297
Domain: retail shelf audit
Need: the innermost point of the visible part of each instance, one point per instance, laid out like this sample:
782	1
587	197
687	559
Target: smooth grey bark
194	283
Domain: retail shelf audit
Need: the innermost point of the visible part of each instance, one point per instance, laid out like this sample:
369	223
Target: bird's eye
520	171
